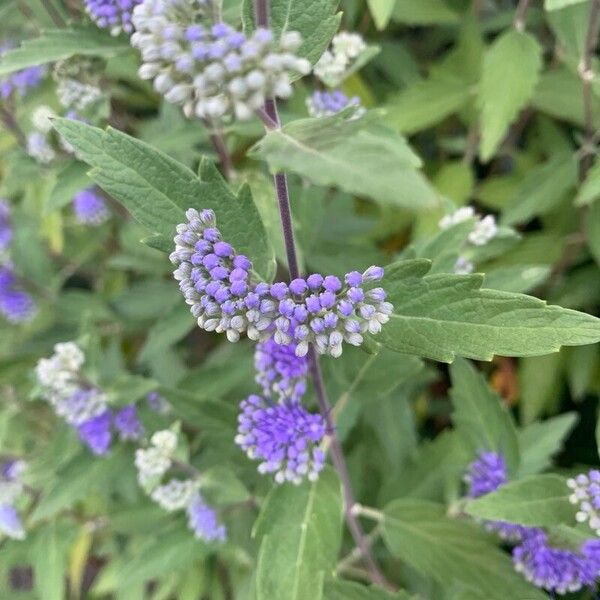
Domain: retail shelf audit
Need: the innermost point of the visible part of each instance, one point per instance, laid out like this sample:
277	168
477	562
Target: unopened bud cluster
585	494
210	69
114	15
333	66
11	492
90	207
323	103
81	404
217	283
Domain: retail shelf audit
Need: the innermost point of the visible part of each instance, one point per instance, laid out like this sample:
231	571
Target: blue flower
90	207
204	522
10	522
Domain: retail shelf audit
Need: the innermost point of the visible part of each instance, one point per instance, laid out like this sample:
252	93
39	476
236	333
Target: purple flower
324	103
96	434
112	14
20	82
556	570
203	521
224	297
485	475
284	437
157	403
586	495
90	207
5	228
10	522
128	424
16	305
12	469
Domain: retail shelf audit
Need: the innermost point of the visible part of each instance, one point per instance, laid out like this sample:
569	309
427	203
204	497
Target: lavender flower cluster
114	15
217	283
21	82
16	305
90	207
81	404
585	494
153	463
212	70
11	490
557	570
323	103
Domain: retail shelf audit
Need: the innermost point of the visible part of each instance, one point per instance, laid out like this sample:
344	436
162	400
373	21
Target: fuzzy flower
204	522
174	495
114	15
153	462
485	475
484	229
460	215
586	495
158	404
557	570
463	266
279	371
324	103
96	433
77	95
40	118
90	207
284	437
10	522
39	148
21	82
128	424
334	65
217	284
16	305
213	71
82	406
6	233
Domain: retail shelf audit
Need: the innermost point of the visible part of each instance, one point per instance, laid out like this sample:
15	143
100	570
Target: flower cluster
114	15
284	436
16	305
76	94
158	404
39	148
213	71
484	230
485	475
11	489
217	284
153	463
557	570
333	66
21	82
90	207
585	495
324	103
81	404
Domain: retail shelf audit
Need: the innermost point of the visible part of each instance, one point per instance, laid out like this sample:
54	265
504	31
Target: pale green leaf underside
157	190
300	529
358	156
444	316
558	4
381	11
541	500
59	44
510	73
451	551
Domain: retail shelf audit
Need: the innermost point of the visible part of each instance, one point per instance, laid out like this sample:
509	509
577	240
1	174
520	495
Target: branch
218	142
520	14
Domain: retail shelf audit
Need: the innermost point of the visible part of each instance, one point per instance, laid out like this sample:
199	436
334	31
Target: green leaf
442	316
538	501
300	530
590	189
558	4
539	377
424	12
511	69
315	20
381	11
71	179
519	278
480	415
157	189
426	103
346	590
324	151
540	441
592	230
451	551
542	189
59	44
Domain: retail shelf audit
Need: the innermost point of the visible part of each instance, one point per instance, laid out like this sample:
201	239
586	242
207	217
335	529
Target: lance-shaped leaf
542	500
300	528
315	20
157	190
53	45
325	151
511	68
347	590
452	552
444	316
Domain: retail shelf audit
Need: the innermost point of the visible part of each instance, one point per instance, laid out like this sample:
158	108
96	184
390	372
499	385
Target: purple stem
270	117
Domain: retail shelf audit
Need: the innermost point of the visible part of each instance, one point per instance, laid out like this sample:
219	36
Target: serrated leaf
324	151
71	179
315	20
519	278
157	189
58	44
424	12
511	69
444	316
538	501
540	441
347	590
451	551
381	11
480	416
300	530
